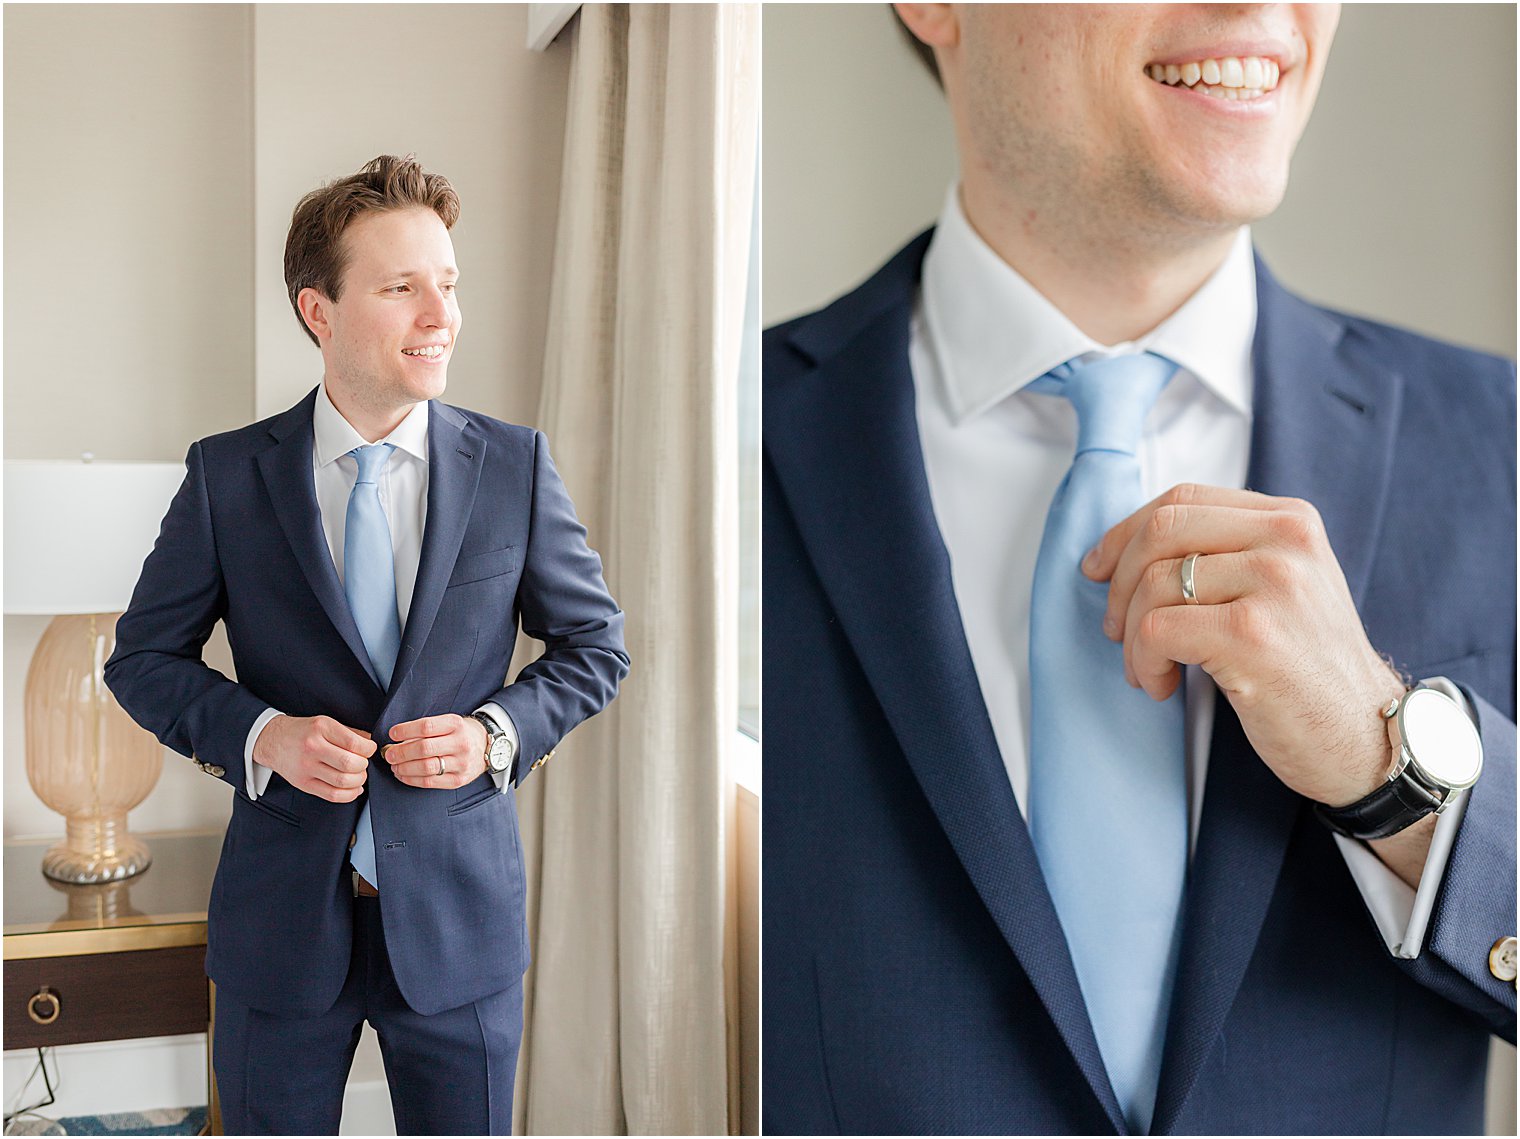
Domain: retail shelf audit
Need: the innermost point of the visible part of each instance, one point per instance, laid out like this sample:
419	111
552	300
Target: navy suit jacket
243	543
916	979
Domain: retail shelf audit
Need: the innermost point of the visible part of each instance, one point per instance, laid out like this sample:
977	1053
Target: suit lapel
843	439
1323	430
456	453
287	471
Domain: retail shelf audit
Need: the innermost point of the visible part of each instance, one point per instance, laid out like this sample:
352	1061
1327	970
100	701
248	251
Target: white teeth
431	353
1247	77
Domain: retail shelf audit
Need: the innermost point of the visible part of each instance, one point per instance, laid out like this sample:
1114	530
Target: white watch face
501	753
1441	738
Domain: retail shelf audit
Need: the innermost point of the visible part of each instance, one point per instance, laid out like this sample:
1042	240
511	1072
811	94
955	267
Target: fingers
1171	636
1170	534
425	773
1217	580
443	760
427	747
427	726
349	739
1103	557
331	760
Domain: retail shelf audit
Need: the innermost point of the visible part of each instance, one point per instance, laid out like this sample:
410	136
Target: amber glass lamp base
85	758
97	850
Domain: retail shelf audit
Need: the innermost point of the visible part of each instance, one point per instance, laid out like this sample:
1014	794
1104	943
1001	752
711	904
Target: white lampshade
76	532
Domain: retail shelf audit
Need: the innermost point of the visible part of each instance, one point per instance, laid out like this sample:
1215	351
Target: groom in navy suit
372	552
1327	517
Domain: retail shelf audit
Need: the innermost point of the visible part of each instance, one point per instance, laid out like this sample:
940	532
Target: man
1016	879
371	551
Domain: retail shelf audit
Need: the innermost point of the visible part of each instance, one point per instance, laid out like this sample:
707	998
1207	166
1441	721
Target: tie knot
1112	397
372	460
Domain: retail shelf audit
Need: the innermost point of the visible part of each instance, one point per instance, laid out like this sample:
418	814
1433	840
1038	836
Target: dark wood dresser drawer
108	996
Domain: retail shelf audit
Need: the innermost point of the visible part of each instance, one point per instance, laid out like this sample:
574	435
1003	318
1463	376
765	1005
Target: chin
1246	201
418	392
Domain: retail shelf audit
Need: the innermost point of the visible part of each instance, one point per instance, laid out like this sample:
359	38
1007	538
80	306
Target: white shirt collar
994	332
336	437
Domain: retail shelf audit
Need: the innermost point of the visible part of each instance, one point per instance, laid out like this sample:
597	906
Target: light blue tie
1107	791
369	580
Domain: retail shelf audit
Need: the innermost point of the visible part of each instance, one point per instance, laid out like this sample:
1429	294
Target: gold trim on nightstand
120	939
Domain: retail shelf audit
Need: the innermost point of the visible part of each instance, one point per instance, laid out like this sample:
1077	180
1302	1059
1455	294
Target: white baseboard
120	1075
166	1071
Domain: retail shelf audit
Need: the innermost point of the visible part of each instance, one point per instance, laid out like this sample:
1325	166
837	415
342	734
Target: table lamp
76	534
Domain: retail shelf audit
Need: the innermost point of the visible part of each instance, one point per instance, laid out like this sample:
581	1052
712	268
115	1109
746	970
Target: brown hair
924	52
315	257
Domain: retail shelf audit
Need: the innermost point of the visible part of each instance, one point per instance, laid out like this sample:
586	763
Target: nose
434	312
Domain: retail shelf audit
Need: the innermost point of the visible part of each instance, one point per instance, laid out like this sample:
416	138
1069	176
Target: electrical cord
52	1093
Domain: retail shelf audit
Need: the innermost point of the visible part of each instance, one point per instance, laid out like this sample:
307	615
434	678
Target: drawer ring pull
35	1005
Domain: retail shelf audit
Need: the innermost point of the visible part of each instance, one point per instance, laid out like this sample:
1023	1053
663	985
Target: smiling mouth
433	352
1236	79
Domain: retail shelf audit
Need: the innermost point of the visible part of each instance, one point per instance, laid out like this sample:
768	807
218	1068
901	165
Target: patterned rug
165	1121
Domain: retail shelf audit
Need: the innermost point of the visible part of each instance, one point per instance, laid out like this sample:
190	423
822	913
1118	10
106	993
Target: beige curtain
626	1006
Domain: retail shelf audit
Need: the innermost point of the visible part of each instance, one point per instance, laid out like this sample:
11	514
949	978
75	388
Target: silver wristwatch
1436	753
498	745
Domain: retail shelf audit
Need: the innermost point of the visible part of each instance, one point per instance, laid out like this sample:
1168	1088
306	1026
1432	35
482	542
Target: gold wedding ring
1189	586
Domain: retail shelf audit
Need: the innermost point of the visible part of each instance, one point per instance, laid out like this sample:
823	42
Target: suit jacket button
1501	959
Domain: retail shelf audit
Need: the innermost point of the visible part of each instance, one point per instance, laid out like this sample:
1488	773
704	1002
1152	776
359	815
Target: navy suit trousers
450	1073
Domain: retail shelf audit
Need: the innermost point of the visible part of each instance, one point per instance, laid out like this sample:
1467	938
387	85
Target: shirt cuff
256	775
1402	914
498	716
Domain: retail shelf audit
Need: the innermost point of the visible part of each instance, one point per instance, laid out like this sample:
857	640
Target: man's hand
316	754
459	741
1274	626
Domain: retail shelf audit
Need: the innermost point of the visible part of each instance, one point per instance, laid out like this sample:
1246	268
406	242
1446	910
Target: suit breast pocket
1485	671
265	805
482	566
467	799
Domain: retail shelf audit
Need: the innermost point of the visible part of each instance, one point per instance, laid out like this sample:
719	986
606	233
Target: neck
373	423
1114	283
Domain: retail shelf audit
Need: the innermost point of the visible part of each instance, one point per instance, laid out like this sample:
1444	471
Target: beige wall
857	150
153	154
128	186
1402	203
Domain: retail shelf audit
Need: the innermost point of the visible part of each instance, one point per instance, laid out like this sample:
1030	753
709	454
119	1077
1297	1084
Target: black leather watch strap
1397	804
493	732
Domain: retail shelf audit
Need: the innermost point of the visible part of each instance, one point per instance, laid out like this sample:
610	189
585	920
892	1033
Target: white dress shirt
403	496
995	454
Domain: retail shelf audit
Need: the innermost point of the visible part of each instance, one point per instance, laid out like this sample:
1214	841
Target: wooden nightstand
111	962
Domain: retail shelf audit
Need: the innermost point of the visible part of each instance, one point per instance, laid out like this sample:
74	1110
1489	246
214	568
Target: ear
314	311
934	24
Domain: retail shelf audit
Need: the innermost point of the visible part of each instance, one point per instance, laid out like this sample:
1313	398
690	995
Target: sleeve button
1501	959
